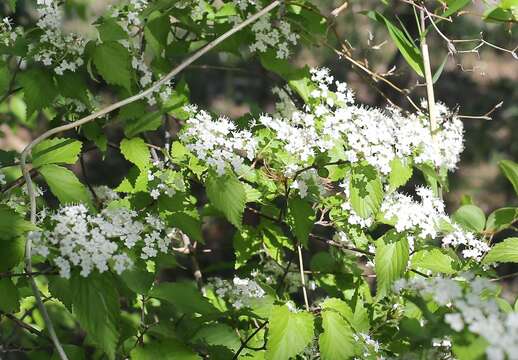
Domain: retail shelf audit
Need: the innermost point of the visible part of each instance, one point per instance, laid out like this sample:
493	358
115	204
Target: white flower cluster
368	134
371	347
421	217
307	180
472	247
7	35
278	37
102	241
424	218
105	193
472	309
218	142
61	51
269	34
129	17
164	181
239	292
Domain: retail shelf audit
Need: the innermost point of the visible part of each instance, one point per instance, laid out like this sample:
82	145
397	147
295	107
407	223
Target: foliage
318	195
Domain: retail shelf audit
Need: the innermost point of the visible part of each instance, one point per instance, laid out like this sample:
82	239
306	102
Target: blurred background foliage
233	84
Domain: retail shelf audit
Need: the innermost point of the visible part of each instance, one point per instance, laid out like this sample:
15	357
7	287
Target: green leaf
60	289
303	217
246	244
137	280
400	173
408	49
336	342
156	31
170	350
454	6
505	251
56	151
136	151
501	219
72	85
148	122
434	260
10	298
184	296
189	223
228	195
510	169
366	191
289	333
39	89
110	30
112	60
64	184
298	79
392	253
96	307
12	224
218	335
12	252
440	69
470	217
73	353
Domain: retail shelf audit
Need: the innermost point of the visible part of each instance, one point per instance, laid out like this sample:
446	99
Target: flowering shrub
342	244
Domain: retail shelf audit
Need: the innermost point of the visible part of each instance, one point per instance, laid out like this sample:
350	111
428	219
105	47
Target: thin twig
244	343
89	118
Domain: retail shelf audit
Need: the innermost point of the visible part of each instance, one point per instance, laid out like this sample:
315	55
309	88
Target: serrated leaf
366	191
12	252
73	85
505	251
336	341
169	350
303	217
10	297
510	169
470	217
434	260
501	219
184	296
407	48
110	30
136	151
400	173
96	307
13	224
228	195
289	333
39	89
56	151
112	61
392	253
64	184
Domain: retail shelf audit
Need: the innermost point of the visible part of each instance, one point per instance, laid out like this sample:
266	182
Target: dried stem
89	118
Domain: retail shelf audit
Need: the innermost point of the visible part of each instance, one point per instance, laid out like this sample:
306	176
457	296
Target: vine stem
91	117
